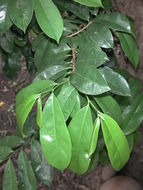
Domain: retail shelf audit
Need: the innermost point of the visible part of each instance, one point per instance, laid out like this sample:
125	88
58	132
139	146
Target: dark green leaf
5	151
37	87
39	112
23	109
26	177
116	82
94	161
115	141
54	136
110	107
9	178
11	141
6	41
130	48
21	13
67	99
133	115
94	137
5	22
80	130
90	3
42	169
49	18
88	80
115	21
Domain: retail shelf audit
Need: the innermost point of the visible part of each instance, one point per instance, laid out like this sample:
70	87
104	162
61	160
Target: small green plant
88	110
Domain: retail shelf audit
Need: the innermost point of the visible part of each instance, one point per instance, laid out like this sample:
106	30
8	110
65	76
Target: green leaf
88	80
21	13
5	151
130	48
5	22
11	141
26	176
54	136
116	82
100	35
94	137
133	115
49	18
39	112
90	3
80	130
9	178
43	171
37	87
6	41
67	99
115	141
110	107
77	106
23	109
115	21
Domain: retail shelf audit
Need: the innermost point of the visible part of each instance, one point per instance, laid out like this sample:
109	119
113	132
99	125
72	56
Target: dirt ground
68	180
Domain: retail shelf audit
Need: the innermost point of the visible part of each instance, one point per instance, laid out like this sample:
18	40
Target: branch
79	31
73	59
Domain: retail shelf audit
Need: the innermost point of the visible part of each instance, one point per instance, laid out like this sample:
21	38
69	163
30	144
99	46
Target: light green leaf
67	99
77	106
42	169
9	178
133	115
5	22
110	107
37	87
80	130
11	141
94	137
90	3
5	151
54	136
21	12
130	48
115	141
49	18
39	112
26	176
116	82
23	109
88	80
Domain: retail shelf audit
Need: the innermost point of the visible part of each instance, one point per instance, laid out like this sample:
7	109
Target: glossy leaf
23	109
90	52
49	18
88	80
94	137
21	13
115	21
67	99
110	107
43	171
90	3
116	82
5	151
130	48
9	178
80	130
26	176
133	115
54	136
37	87
39	112
77	106
101	35
115	141
5	22
11	141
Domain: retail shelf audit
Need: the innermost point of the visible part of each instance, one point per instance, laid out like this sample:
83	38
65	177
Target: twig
79	31
73	59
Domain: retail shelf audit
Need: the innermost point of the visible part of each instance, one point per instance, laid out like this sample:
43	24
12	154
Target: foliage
86	107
